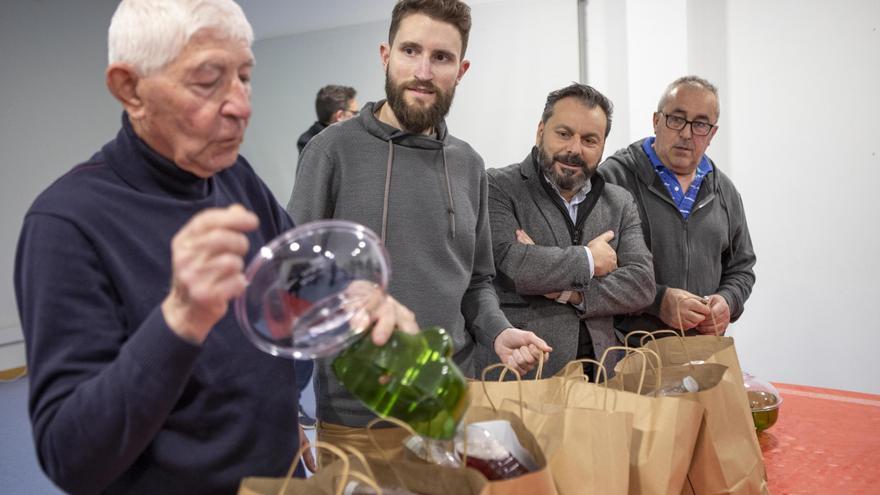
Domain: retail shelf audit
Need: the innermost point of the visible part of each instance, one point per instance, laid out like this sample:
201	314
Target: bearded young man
396	169
568	247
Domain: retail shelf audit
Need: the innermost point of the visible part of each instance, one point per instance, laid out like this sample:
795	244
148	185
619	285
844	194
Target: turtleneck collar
149	172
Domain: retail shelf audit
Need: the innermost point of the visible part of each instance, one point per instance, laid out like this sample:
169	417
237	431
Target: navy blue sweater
119	403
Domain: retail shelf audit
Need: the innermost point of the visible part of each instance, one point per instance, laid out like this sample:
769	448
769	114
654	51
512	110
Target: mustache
425	85
570	158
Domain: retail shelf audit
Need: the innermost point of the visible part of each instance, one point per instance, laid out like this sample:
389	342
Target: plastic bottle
411	378
687	385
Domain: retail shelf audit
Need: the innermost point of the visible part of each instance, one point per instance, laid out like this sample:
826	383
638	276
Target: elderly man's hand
207	270
682	310
520	349
719	318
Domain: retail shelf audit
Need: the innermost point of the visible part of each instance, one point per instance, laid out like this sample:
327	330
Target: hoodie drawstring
450	209
387	190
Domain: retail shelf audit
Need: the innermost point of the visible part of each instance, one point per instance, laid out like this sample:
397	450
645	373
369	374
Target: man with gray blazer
569	250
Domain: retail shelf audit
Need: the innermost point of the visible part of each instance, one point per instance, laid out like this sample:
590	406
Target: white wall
803	86
54	113
520	50
798	134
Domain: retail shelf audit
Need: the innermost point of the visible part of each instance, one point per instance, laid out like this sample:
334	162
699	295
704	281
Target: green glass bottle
411	378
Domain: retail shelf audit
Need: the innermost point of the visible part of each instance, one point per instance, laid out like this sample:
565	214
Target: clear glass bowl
310	289
764	401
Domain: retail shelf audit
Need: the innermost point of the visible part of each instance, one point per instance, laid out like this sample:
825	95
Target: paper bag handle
491	367
346	467
538	374
643	353
601	371
371	425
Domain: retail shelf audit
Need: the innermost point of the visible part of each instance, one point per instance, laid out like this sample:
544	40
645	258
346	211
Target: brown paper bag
331	480
587	449
727	458
539	482
665	431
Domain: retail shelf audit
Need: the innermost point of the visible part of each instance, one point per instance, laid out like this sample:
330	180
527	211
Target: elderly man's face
196	109
570	143
682	150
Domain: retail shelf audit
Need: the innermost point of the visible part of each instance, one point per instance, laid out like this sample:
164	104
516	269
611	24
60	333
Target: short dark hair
587	95
453	12
695	81
332	98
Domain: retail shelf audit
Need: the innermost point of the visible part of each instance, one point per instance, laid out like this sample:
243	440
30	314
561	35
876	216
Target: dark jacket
710	252
520	198
307	136
119	403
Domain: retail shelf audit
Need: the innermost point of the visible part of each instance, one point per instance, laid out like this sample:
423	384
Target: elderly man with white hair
141	380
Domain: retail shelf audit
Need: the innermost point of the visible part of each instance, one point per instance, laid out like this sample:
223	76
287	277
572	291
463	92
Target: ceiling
271	18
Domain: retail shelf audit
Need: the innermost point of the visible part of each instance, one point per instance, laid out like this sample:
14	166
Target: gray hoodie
710	252
427	198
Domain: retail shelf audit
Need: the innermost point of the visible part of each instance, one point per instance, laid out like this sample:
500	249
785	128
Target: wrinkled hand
693	309
604	256
719	318
520	349
308	456
207	270
383	312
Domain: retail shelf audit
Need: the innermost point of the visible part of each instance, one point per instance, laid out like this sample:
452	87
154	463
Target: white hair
148	34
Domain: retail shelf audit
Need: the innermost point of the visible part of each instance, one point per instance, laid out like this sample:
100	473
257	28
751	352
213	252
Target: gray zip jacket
710	252
427	198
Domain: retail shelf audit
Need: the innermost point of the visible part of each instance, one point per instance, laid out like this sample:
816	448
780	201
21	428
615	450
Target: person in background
568	247
141	380
333	104
396	169
693	218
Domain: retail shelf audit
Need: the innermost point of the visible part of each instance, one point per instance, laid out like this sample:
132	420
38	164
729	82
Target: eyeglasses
353	113
677	123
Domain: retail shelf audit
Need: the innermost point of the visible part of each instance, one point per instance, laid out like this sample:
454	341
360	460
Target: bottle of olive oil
411	378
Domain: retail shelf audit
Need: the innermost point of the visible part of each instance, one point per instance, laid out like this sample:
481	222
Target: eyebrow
699	116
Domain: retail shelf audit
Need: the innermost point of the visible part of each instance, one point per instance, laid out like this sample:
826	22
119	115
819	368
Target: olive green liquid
411	378
765	419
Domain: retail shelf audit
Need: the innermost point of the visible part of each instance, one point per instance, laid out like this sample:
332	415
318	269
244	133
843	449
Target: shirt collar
648	146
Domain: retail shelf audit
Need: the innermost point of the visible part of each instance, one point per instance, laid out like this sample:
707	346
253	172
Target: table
824	442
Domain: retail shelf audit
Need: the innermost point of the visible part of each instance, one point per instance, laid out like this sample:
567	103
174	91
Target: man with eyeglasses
692	216
332	104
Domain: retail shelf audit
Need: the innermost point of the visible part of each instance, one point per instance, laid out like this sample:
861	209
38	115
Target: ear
656	121
384	54
465	65
540	134
337	116
122	81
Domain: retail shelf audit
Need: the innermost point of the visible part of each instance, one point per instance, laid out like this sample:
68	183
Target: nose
687	131
424	71
238	102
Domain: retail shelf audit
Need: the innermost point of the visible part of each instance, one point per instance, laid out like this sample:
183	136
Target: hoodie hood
400	137
406	139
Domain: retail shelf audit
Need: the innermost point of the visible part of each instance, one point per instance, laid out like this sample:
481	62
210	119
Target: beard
413	117
564	178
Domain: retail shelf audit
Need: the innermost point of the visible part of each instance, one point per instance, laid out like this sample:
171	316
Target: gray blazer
518	200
